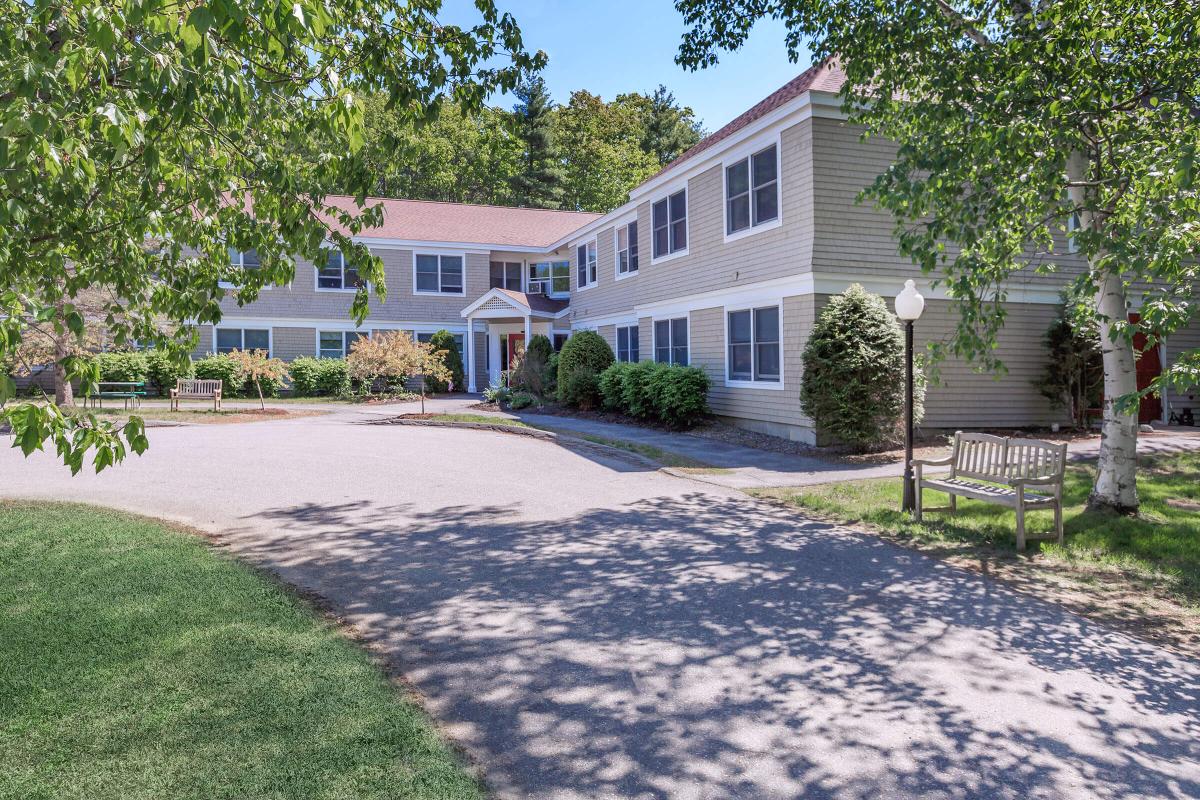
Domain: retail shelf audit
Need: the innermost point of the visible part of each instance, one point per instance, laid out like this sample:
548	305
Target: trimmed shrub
584	356
320	377
123	365
552	375
637	397
521	400
853	384
444	341
612	385
533	370
221	367
164	371
579	388
680	395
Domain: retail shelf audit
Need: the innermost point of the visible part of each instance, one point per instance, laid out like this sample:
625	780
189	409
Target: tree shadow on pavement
711	647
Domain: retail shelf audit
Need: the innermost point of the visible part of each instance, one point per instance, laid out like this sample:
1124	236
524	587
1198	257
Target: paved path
587	628
747	467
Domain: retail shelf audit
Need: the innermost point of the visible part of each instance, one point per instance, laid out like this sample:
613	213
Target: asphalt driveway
586	628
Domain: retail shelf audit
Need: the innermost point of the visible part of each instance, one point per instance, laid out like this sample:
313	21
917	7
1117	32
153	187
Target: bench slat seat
196	389
1000	470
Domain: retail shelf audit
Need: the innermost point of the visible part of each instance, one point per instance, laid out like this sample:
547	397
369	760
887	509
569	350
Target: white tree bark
1116	481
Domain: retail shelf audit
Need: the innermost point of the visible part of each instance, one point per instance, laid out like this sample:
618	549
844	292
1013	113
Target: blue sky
629	46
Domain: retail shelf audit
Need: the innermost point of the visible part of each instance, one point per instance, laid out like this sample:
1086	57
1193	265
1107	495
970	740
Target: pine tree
539	178
670	128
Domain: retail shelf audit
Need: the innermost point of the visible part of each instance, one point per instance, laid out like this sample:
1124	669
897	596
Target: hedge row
320	377
671	394
153	367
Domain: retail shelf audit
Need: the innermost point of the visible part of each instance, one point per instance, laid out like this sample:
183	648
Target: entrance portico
510	319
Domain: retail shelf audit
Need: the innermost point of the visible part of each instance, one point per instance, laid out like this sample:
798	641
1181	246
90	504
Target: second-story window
244	259
752	191
336	274
550	277
438	274
669	217
627	249
586	263
506	275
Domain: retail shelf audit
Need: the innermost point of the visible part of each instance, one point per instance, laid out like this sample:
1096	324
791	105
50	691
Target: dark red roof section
824	77
429	221
537	302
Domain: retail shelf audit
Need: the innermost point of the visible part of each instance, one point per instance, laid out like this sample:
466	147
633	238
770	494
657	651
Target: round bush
853	384
680	395
123	365
612	385
164	370
320	377
444	341
584	356
221	367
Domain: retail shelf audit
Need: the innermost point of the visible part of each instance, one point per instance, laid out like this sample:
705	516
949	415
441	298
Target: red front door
516	346
1149	367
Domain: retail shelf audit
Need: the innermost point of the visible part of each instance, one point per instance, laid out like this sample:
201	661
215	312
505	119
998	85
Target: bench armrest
933	462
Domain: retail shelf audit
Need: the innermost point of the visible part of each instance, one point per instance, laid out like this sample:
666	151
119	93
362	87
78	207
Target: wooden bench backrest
1031	458
980	456
197	386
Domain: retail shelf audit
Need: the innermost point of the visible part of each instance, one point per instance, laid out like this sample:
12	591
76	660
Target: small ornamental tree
443	344
532	372
393	358
580	362
258	367
1073	378
853	384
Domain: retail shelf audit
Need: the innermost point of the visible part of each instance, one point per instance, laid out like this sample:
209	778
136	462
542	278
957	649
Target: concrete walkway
748	467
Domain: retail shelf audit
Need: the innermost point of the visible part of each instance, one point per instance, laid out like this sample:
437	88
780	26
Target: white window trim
654	335
368	332
634	325
231	285
551	261
439	253
1074	222
731	383
742	153
687	224
343	290
523	278
238	326
633	273
593	242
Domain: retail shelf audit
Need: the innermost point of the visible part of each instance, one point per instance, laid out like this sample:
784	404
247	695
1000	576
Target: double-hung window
585	256
230	339
244	259
438	274
754	345
337	344
669	218
627	343
336	275
627	249
671	341
550	277
459	341
506	275
752	191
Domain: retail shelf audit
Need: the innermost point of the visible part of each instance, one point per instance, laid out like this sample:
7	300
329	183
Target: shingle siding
290	343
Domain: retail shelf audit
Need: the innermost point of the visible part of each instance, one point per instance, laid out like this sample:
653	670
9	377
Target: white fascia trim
763	293
495	293
593	226
610	319
475	248
335	324
889	287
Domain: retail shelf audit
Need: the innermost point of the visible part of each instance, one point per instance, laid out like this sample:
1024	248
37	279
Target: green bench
130	392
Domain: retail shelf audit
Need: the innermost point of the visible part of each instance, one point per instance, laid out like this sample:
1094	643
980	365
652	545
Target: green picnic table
131	392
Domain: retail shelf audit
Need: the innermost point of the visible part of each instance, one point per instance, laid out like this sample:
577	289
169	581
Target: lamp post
909	305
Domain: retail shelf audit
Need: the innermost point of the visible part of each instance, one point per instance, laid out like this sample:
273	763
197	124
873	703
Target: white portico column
471	354
528	329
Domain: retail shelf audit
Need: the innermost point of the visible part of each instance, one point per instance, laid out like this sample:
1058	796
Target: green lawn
1161	544
485	419
135	662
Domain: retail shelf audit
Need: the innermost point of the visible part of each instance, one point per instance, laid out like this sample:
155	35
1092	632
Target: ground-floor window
337	344
627	343
671	341
230	339
753	341
459	341
559	340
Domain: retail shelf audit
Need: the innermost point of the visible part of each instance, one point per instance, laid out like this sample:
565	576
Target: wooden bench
999	470
192	389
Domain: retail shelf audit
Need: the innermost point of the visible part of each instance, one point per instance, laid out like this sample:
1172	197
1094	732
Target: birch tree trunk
1116	482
